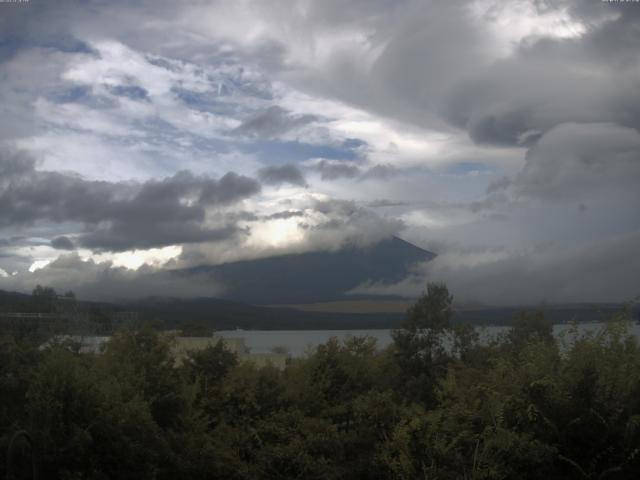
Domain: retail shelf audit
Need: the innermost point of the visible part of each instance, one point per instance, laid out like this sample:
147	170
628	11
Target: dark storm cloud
62	243
229	189
273	122
14	165
125	235
282	174
119	216
13	241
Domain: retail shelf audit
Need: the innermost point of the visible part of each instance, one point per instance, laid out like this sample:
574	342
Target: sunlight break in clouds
134	259
521	20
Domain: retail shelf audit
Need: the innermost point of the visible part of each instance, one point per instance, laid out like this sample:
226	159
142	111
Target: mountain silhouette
311	277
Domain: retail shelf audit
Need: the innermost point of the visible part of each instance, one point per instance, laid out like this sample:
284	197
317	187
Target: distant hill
172	313
15	302
315	276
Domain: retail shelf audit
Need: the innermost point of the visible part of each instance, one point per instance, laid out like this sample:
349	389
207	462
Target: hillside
315	276
227	315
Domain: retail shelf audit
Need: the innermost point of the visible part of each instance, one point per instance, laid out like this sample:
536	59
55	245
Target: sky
142	136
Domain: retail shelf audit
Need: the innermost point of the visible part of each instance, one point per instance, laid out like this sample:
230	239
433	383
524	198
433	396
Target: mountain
314	276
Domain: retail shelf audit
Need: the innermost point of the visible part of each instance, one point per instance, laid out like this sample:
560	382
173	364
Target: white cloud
135	259
511	23
38	265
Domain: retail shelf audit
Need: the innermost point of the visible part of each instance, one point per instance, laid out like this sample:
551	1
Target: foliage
438	403
419	343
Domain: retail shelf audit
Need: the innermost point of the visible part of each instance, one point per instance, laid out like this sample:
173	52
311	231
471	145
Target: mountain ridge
318	276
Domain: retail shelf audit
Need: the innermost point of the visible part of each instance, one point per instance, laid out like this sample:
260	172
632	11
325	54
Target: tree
143	357
419	342
195	329
45	298
70	295
210	365
44	292
530	327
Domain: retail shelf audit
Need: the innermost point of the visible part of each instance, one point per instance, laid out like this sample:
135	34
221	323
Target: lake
299	342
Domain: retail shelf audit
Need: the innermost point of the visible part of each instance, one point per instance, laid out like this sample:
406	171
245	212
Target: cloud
278	175
91	280
574	160
120	216
62	243
230	188
382	171
498	185
486	123
316	223
134	92
334	169
379	203
286	214
339	169
549	81
273	122
122	236
119	113
339	223
602	271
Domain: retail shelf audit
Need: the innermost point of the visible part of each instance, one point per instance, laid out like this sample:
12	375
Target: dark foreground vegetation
437	404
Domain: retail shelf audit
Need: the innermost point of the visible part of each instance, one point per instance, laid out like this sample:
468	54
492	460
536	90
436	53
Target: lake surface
299	342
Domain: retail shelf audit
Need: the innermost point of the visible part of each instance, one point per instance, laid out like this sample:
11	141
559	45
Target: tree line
438	403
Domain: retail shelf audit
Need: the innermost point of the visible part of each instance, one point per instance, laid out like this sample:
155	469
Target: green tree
530	327
143	358
420	342
45	299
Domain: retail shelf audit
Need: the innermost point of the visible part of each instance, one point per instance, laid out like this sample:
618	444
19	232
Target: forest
437	404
